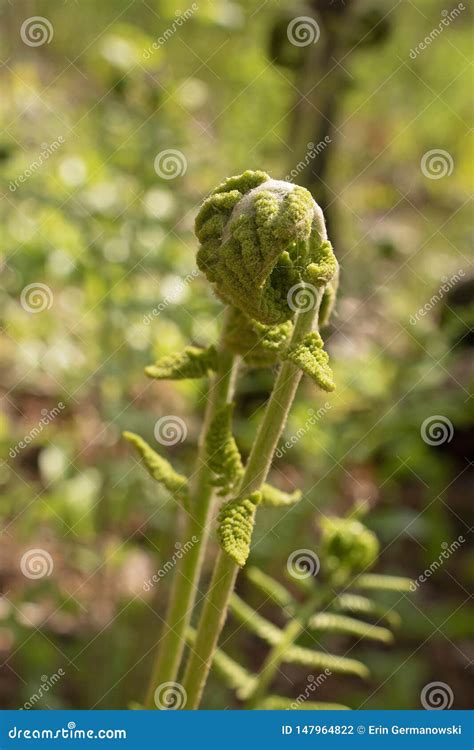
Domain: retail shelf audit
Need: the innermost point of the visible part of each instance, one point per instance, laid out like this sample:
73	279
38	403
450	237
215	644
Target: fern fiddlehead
260	241
263	244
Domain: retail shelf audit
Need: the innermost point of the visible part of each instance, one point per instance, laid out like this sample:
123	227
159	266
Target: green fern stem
225	572
172	640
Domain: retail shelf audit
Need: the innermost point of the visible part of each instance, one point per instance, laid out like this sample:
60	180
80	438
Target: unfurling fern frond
311	357
347	547
328	622
236	522
372	581
222	451
158	467
277	498
250	228
279	703
191	363
351	544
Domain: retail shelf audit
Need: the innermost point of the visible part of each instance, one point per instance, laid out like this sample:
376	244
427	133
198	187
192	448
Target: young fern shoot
264	248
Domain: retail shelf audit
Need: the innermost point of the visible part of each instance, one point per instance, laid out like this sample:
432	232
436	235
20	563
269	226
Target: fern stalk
201	503
225	572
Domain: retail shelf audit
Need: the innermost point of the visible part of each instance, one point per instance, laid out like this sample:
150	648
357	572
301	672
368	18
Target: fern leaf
191	363
383	583
159	468
310	356
272	588
277	498
361	605
236	522
254	622
279	703
322	660
233	675
326	622
222	451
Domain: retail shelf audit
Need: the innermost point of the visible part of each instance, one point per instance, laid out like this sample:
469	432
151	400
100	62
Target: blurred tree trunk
322	79
320	82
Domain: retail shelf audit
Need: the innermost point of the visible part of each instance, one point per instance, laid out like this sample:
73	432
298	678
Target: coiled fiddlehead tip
258	238
347	547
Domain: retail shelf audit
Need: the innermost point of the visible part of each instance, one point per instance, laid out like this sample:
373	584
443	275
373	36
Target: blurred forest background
97	238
